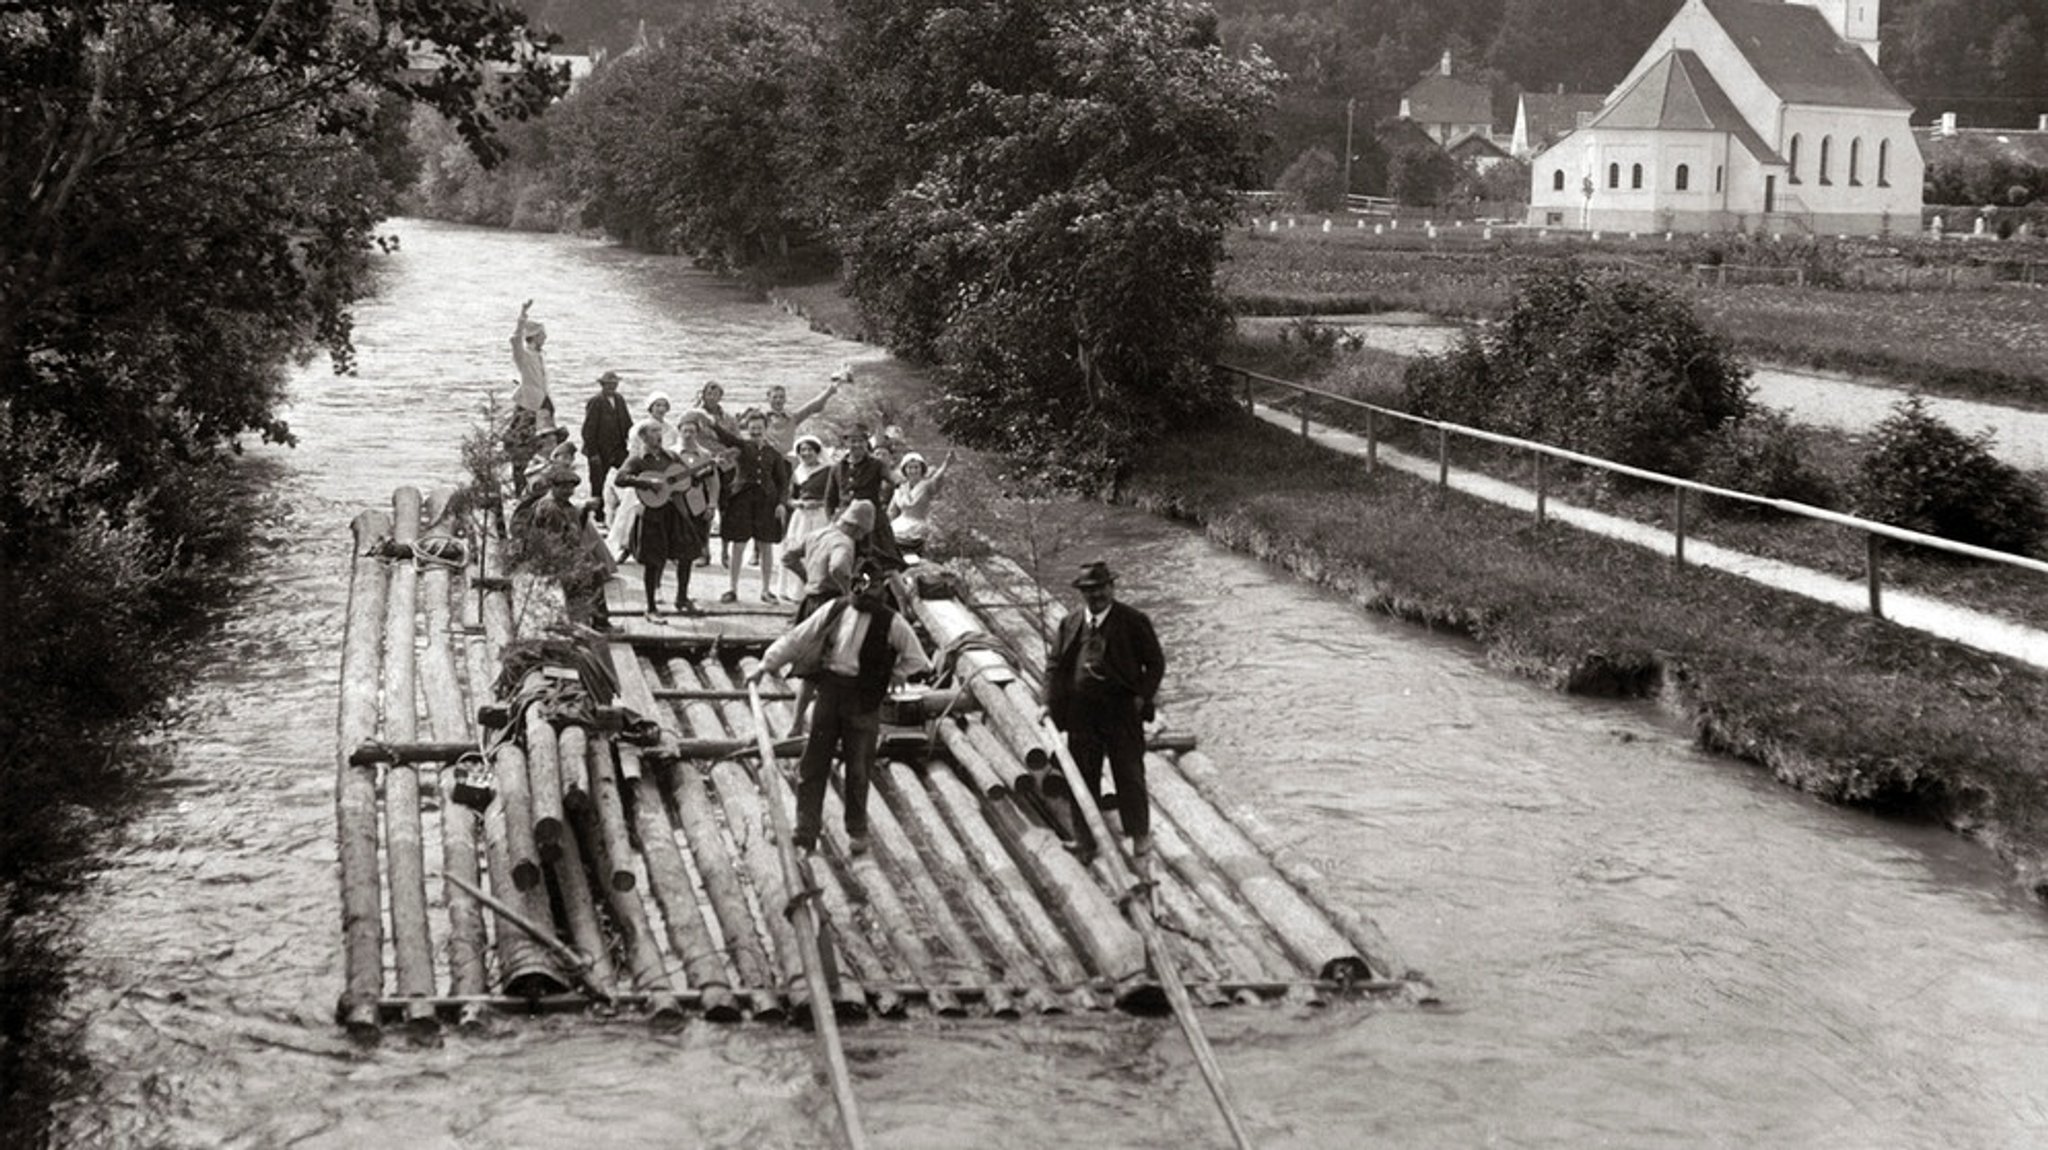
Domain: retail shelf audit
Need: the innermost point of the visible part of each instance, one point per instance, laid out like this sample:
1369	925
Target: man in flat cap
1102	675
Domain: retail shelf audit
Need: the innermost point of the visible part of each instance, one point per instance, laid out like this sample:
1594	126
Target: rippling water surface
1637	945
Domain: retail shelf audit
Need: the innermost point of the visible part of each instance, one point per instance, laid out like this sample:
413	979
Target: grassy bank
1375	377
1846	707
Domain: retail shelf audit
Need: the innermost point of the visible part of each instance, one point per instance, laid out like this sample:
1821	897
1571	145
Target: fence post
1301	406
1542	486
1870	550
1678	528
1443	458
1372	443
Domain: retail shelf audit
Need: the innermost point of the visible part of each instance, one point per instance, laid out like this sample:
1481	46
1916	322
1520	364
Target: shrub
1923	475
1763	453
1604	364
1312	183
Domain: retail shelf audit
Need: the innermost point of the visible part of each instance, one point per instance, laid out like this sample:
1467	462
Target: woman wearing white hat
624	506
910	507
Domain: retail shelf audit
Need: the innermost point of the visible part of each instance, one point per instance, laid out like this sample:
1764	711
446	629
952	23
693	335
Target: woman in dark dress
669	531
862	476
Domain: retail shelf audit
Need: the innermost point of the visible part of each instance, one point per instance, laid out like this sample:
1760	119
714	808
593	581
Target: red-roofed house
1447	108
1743	115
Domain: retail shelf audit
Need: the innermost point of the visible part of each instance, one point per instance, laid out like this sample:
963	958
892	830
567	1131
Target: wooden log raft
355	797
1007	704
525	968
404	846
1304	932
1113	948
1372	943
899	785
448	720
747	817
668	878
850	998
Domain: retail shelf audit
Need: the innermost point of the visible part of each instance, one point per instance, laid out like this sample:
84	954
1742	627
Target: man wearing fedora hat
606	424
1102	675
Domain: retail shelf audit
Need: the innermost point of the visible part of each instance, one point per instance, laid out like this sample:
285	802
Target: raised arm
815	405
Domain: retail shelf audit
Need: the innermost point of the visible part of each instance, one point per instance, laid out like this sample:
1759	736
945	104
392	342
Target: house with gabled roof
1743	115
1447	108
1544	118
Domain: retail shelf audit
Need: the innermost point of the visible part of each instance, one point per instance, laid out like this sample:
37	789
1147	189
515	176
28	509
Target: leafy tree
1926	476
1034	195
1313	182
1607	365
686	146
1420	174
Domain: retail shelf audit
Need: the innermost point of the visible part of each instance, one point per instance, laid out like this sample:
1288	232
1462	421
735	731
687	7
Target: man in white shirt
853	652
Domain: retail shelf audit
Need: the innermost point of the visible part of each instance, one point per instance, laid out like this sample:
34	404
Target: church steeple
1852	20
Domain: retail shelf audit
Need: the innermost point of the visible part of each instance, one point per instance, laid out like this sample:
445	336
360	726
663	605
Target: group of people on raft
657	485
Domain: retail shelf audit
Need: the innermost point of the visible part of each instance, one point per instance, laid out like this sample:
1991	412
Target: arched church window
1827	144
1635	176
1792	160
1683	179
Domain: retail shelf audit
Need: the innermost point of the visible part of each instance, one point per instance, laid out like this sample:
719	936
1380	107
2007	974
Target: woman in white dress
622	505
910	508
806	501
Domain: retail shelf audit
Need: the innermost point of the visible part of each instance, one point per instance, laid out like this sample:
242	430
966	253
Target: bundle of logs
617	854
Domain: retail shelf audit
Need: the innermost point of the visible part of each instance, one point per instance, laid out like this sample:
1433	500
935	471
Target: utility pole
1350	107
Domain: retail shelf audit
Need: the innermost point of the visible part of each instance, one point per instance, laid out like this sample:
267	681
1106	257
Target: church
1743	115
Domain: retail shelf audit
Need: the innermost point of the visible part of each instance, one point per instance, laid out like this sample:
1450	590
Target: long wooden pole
355	793
1162	963
448	719
412	943
804	918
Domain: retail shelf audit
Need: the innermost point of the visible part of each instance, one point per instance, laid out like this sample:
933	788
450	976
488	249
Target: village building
1544	118
1448	109
1743	115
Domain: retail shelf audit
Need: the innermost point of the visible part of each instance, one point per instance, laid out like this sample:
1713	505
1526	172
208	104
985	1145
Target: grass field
1986	339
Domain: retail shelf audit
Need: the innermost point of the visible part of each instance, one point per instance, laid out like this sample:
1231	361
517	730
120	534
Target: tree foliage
1611	366
1034	197
1314	182
688	146
1926	476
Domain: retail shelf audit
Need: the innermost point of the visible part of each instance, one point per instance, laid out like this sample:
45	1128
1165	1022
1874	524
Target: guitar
678	482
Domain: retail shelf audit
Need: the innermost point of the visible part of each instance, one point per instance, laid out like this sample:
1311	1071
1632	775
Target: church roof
1677	93
1440	99
1799	55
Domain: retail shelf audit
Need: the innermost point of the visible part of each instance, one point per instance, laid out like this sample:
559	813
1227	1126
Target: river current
1637	945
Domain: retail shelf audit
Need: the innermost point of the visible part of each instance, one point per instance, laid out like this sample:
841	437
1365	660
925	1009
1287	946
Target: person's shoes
770	597
728	597
856	845
654	614
687	607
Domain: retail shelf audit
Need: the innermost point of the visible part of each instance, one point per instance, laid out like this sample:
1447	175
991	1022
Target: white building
1743	115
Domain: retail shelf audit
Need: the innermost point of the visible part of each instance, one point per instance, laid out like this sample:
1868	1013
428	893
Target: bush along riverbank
1846	707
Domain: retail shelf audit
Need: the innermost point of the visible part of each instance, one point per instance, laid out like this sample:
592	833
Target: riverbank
1850	709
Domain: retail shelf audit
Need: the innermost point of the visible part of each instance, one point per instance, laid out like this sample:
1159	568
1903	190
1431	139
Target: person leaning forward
1102	676
852	652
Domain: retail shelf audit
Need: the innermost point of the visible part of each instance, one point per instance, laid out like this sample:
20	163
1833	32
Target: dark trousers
1108	726
841	725
599	472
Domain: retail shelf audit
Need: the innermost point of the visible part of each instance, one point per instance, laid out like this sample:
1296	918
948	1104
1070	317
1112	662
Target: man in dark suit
1101	678
606	424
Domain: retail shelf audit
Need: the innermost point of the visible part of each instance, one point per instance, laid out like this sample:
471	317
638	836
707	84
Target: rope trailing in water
1137	904
803	917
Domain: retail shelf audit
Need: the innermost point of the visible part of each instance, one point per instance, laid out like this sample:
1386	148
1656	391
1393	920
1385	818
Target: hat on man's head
608	377
858	514
536	329
1095	575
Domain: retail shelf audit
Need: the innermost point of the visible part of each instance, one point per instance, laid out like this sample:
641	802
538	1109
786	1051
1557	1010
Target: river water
1636	944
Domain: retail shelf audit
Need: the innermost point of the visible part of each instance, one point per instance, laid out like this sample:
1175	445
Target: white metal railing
1873	531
